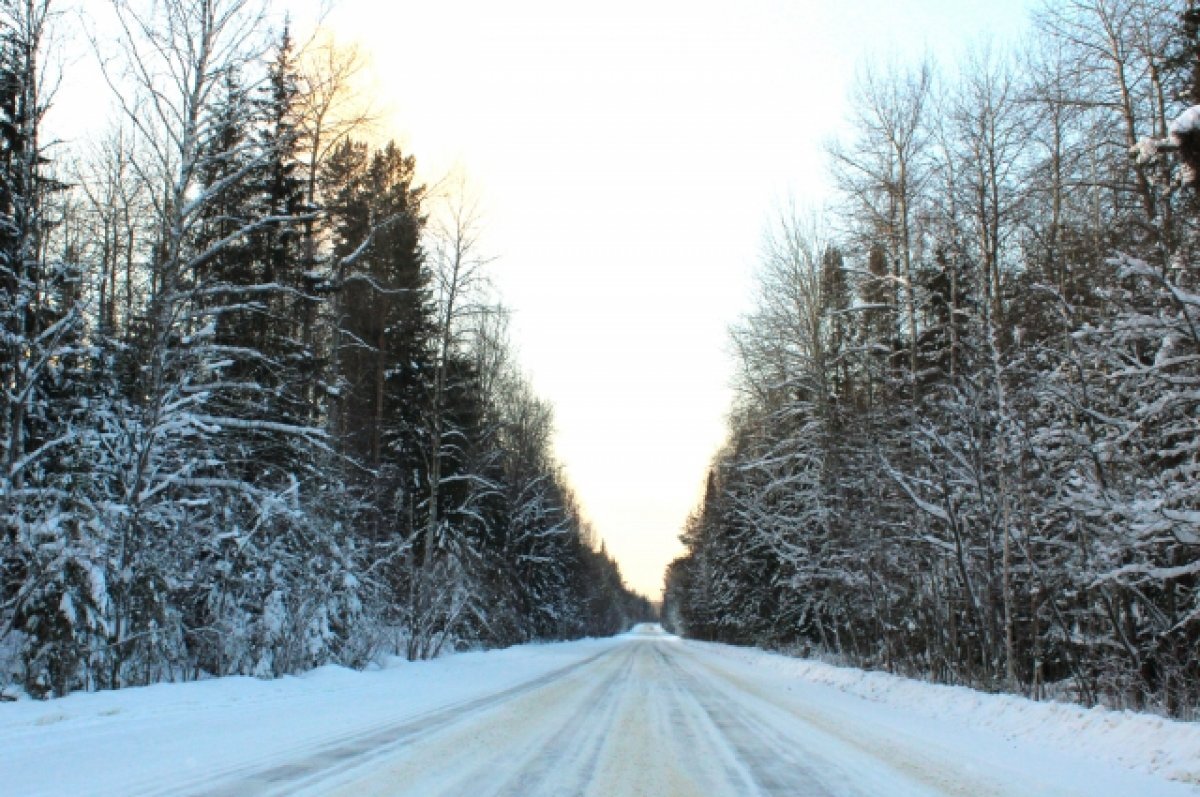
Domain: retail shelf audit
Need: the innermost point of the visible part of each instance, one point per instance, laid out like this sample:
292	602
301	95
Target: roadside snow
171	737
1140	742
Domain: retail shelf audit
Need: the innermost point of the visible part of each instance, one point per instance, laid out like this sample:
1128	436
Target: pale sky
629	154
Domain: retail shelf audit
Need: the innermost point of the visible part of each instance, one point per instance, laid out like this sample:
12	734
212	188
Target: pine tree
50	591
381	355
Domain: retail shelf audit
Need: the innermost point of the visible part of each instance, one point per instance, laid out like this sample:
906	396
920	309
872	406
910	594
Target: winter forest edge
966	444
260	412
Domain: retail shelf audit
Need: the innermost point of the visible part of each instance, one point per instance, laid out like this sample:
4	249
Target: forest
965	444
259	409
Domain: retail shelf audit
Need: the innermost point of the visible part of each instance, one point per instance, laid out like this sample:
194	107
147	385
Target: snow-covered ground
645	713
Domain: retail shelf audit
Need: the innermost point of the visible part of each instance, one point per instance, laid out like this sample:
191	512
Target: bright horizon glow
630	155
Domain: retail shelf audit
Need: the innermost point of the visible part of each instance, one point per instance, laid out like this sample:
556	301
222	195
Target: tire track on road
493	749
840	745
778	765
355	749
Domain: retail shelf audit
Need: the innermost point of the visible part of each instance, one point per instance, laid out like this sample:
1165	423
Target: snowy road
649	717
643	714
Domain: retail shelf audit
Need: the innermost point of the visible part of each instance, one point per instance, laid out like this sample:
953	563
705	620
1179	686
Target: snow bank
180	738
1141	742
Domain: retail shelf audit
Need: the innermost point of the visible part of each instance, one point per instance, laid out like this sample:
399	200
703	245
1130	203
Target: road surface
648	716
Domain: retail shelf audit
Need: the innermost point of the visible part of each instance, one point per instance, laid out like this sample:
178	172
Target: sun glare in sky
629	155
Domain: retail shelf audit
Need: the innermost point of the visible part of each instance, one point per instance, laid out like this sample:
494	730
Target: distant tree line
257	412
967	440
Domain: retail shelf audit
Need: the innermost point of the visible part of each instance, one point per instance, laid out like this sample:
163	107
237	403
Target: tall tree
49	590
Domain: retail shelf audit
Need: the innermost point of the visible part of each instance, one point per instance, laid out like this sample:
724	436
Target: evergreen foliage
242	431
